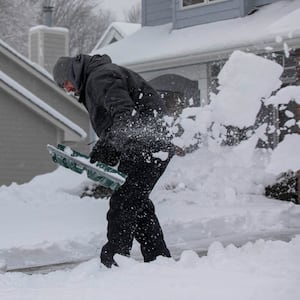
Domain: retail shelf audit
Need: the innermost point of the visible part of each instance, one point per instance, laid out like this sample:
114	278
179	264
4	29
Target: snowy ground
210	200
203	198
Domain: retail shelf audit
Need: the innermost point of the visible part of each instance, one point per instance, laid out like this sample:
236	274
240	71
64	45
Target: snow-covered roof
47	28
126	28
119	30
28	62
34	67
42	106
272	25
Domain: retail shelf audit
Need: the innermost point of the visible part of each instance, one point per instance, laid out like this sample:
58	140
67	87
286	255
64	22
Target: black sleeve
109	90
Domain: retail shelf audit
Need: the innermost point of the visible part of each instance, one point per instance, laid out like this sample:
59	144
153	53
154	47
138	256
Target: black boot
107	256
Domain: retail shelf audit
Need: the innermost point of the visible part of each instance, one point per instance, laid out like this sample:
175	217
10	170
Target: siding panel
54	46
158	7
156	12
29	134
34	42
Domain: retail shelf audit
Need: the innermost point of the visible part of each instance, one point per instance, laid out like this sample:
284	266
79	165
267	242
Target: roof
154	47
47	28
126	28
28	62
70	128
118	29
39	70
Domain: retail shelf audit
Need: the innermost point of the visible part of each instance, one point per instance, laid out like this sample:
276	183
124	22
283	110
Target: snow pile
285	95
202	197
286	156
260	270
244	81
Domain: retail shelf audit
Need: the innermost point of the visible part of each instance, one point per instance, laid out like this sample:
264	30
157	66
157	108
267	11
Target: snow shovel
103	174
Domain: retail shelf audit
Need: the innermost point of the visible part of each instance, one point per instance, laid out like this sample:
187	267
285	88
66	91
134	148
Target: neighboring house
115	32
183	44
34	112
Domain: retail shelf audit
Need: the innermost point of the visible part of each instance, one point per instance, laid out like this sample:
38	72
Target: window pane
191	2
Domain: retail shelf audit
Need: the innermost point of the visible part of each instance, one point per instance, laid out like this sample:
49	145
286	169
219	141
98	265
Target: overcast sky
118	6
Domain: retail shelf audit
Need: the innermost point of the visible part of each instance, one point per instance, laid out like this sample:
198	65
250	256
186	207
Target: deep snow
207	200
46	221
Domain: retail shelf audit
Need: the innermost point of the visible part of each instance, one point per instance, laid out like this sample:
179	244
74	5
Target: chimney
47	10
46	43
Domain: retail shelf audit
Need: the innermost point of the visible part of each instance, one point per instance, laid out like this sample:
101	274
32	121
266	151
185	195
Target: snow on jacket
125	111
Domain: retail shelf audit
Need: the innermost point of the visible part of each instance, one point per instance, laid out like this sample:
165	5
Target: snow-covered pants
132	215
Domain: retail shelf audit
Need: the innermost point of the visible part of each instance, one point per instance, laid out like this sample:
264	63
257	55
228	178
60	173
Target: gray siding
34	46
51	96
156	12
23	139
54	47
202	14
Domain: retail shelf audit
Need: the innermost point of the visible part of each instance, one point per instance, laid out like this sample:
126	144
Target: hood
82	66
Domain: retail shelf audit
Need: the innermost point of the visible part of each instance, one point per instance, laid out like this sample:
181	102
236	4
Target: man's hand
104	153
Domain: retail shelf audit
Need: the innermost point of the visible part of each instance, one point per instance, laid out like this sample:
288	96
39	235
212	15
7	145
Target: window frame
205	3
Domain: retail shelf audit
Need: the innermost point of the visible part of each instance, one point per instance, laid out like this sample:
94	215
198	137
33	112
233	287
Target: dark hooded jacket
125	111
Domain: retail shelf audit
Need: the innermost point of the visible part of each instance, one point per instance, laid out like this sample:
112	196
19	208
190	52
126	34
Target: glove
105	153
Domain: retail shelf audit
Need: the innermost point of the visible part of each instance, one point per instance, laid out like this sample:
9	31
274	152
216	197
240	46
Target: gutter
258	46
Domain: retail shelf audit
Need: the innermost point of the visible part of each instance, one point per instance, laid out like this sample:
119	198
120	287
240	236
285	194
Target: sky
118	6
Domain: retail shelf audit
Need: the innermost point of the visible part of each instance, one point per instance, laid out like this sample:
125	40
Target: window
289	64
186	3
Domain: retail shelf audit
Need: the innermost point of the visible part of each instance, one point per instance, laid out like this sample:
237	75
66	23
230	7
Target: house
183	44
34	112
115	32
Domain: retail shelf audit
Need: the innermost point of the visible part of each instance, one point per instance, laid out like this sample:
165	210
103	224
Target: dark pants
132	215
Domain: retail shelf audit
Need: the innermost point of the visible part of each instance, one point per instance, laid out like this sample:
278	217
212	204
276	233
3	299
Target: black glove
105	153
